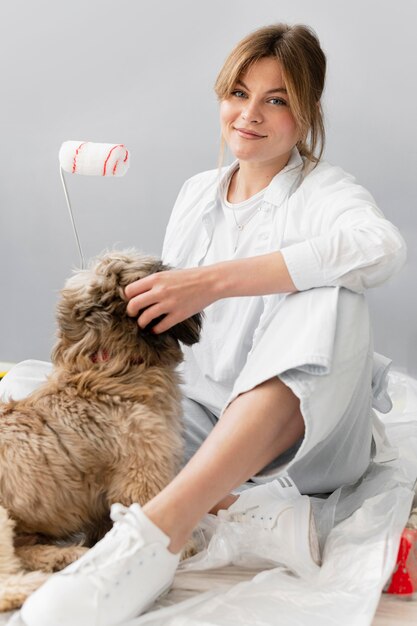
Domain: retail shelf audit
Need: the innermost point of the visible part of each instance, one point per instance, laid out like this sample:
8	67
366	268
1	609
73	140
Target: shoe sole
306	534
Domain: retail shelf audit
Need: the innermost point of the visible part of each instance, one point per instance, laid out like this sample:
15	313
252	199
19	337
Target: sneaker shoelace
264	517
238	516
102	565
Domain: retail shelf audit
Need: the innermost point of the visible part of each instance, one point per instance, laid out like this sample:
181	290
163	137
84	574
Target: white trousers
319	343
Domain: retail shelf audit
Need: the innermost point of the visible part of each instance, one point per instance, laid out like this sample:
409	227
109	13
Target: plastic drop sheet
359	529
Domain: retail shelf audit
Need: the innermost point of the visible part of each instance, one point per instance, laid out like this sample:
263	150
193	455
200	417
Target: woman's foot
279	507
119	578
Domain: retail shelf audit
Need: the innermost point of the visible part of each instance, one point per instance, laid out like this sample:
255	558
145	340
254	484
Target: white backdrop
141	73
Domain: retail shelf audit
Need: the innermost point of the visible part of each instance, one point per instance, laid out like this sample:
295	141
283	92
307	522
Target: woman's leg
255	428
125	572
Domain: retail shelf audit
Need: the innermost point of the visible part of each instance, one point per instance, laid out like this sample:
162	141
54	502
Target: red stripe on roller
74	163
117	162
120	145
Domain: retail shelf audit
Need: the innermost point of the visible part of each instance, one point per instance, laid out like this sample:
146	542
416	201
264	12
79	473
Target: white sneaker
279	507
119	578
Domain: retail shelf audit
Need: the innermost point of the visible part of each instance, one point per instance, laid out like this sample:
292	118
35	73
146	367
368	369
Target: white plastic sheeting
359	529
359	556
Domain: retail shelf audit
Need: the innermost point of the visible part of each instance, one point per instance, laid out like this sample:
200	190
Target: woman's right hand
175	294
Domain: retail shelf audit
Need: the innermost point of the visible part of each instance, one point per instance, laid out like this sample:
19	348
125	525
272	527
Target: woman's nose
251	113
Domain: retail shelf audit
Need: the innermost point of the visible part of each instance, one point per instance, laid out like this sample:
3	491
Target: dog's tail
15	584
14	589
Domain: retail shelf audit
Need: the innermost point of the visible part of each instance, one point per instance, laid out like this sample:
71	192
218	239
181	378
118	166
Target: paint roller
90	159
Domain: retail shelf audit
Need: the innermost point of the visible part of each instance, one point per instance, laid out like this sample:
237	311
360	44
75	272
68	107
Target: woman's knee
274	401
274	392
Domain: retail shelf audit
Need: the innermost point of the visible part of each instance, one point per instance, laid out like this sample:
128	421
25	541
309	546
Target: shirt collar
283	183
279	187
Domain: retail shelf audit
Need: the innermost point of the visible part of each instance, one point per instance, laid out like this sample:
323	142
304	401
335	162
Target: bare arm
254	276
178	294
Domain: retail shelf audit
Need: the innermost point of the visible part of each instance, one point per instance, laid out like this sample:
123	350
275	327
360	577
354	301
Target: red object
404	577
74	163
120	145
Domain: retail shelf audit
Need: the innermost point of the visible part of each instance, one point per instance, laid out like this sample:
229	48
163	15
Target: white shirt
242	314
235	224
330	233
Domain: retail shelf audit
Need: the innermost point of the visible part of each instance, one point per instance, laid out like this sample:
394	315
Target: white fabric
94	159
332	379
23	378
327	226
382	401
235	224
295	209
228	242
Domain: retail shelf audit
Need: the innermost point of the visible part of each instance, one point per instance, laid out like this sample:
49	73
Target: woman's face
256	120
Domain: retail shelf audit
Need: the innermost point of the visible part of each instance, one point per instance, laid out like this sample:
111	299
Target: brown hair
303	64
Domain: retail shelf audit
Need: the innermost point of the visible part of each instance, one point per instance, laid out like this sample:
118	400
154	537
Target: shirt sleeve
172	232
356	247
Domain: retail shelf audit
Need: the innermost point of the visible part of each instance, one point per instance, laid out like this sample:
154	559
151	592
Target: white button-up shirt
329	231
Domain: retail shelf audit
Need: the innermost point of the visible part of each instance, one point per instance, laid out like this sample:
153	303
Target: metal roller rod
61	171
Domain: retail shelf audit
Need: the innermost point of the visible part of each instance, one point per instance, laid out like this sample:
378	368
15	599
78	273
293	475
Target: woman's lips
248	134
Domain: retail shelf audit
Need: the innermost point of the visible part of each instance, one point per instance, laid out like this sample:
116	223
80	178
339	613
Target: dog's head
93	325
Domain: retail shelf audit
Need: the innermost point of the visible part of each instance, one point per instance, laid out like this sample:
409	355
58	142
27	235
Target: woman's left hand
176	294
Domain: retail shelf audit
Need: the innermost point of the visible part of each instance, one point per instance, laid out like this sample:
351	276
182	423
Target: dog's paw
16	588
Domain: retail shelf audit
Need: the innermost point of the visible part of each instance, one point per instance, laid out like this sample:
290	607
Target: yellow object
4	368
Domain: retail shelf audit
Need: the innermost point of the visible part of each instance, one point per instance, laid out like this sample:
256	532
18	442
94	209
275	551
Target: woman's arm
178	294
341	238
253	276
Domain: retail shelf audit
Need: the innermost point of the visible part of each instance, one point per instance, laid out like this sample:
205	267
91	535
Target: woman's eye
238	93
278	101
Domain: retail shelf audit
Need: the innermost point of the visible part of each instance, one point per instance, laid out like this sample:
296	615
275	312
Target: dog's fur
105	427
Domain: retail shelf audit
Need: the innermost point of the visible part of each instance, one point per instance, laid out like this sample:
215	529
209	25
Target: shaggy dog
105	427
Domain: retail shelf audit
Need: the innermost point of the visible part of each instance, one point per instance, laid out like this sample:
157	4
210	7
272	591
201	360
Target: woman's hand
176	294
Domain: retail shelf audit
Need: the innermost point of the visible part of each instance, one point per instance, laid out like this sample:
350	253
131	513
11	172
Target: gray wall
141	73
